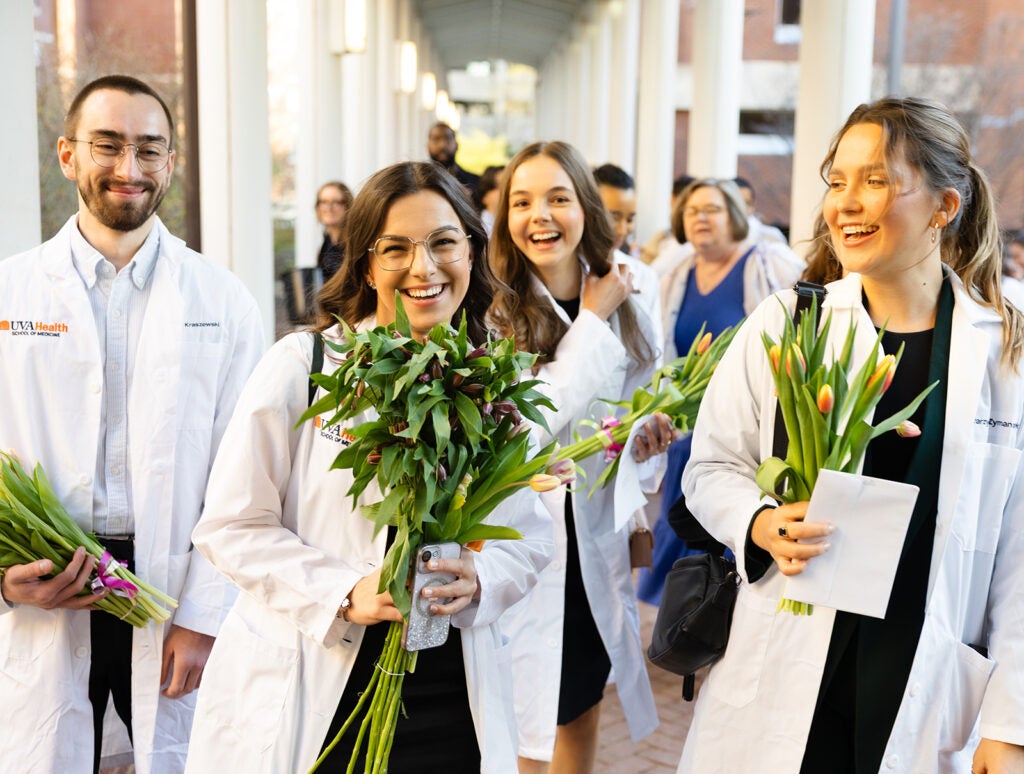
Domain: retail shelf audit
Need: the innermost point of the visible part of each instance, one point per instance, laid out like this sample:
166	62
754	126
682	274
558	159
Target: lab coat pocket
28	632
202	363
250	679
988	478
965	689
734	680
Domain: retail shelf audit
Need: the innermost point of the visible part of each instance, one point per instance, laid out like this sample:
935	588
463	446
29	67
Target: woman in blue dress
720	276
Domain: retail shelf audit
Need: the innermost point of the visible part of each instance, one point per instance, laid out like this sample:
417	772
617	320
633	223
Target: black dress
585	662
435	732
869	659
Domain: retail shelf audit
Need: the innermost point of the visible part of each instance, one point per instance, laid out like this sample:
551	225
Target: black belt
121	548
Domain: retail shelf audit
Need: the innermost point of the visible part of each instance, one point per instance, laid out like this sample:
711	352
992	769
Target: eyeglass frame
124	149
708	210
414	242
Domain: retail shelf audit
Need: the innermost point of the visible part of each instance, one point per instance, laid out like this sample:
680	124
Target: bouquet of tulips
825	412
676	389
446	447
34	525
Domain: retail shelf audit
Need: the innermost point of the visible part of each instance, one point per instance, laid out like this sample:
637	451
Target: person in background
714	285
123	403
662	248
591	312
618	192
333	201
442	147
486	195
302	641
937	685
759	230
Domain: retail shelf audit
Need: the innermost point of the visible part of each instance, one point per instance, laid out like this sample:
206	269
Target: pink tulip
564	471
907	429
825	398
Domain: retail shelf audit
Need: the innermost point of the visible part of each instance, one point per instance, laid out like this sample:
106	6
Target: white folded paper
871	516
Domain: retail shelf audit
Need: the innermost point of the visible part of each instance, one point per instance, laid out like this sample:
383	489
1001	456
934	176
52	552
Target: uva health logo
30	328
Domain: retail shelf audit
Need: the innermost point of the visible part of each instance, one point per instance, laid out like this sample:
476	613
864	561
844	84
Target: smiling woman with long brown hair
938	683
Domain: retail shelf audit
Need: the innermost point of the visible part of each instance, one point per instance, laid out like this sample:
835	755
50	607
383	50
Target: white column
579	86
234	142
318	153
357	129
836	47
403	102
717	61
599	41
382	49
625	75
656	114
20	221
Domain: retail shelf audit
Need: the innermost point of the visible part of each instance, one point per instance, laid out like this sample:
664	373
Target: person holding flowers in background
937	684
592	315
714	284
300	645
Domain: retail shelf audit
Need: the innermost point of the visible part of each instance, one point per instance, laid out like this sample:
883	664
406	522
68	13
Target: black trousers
110	673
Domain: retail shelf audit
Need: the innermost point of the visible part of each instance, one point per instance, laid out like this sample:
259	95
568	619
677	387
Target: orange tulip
705	342
825	398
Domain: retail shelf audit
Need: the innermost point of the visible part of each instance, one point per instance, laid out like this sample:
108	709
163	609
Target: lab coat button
552	642
556	565
84	480
892	761
915	689
95	387
81	651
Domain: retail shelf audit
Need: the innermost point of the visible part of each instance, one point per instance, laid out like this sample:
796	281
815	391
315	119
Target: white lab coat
754	711
279	523
591	363
184	386
770	268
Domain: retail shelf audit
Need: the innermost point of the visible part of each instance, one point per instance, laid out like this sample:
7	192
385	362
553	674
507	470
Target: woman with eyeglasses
715	282
592	314
333	201
301	641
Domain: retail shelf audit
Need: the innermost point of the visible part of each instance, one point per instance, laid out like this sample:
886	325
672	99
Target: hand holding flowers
825	409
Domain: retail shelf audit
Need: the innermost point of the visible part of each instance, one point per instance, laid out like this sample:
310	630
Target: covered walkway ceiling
520	31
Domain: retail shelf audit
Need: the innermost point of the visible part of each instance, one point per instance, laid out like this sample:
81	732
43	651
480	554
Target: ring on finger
783	532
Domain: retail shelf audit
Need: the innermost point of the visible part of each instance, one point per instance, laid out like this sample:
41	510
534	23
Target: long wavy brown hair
934	143
348	297
518	308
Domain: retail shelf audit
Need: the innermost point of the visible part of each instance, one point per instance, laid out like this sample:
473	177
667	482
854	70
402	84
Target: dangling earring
935	232
374	287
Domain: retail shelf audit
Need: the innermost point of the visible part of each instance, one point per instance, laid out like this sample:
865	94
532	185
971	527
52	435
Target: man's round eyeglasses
396	253
150	156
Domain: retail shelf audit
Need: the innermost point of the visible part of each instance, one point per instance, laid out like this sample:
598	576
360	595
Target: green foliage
442	438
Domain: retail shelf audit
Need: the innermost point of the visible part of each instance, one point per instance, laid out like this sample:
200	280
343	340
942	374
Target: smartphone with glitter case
425	629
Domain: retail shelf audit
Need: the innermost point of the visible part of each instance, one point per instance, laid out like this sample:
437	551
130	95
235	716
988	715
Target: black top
330	257
869	659
435	732
571	307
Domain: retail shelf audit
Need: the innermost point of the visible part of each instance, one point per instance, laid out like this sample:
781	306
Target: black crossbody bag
693	622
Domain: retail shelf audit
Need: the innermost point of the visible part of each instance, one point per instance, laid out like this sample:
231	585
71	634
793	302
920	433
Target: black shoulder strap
806	292
317	365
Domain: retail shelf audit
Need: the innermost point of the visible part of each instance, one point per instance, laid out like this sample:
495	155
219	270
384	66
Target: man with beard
120	363
442	147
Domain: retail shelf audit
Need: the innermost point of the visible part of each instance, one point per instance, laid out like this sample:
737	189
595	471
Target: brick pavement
658	753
